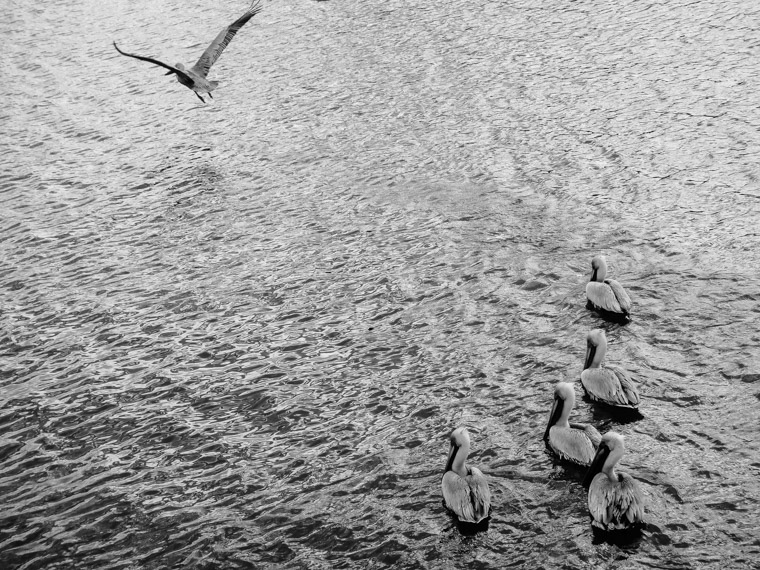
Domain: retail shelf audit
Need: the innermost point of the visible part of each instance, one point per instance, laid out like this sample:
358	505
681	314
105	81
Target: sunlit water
237	335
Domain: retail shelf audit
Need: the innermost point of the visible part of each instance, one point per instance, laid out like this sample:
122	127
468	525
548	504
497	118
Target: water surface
237	335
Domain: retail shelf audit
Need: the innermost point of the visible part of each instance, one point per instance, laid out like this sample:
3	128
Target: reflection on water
238	335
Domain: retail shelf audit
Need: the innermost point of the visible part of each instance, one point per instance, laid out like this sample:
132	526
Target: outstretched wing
215	49
172	69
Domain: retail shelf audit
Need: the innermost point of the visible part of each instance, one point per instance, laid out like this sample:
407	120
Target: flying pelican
195	77
606	384
606	296
615	500
573	442
465	489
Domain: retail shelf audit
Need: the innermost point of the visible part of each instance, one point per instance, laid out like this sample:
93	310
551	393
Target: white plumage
606	295
465	489
606	384
569	441
615	500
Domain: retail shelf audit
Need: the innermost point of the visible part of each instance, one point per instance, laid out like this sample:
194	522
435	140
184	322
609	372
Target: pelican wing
592	434
615	505
620	294
603	296
605	385
481	494
469	497
156	62
627	385
574	443
215	49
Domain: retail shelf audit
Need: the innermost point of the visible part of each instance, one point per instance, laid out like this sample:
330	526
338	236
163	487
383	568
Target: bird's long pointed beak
168	73
596	464
590	352
554	415
452	455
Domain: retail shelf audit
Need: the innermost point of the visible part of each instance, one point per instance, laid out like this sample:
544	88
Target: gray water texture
236	335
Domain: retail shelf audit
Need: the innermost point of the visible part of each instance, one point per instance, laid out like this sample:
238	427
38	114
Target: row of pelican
615	500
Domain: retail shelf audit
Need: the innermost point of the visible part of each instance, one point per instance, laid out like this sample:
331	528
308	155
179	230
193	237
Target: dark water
236	336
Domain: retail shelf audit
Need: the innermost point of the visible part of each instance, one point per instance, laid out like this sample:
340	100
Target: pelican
606	296
573	442
606	384
465	489
615	500
195	77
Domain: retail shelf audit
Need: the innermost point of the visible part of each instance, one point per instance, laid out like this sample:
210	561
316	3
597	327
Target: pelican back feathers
577	443
615	505
610	385
608	296
469	497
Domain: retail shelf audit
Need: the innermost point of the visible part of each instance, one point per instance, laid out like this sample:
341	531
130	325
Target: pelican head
564	400
598	268
178	66
460	449
596	348
610	451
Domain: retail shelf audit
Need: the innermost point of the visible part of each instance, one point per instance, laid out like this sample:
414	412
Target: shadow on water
629	537
617	318
566	470
468	528
471	529
603	415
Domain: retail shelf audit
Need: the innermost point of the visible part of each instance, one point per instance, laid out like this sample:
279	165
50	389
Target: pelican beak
593	274
452	454
596	464
590	352
554	415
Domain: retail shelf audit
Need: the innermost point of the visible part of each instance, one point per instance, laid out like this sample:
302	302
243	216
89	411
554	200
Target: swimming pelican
615	500
573	442
606	384
195	77
606	296
465	489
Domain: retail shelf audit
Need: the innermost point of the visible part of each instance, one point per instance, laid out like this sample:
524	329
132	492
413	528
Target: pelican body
607	296
615	500
606	384
465	489
195	77
571	442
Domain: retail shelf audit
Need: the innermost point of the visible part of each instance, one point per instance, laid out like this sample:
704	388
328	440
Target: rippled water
236	335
